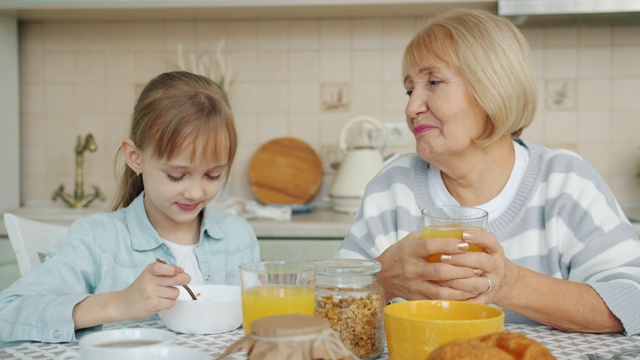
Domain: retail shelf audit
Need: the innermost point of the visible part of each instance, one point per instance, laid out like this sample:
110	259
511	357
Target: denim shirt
106	252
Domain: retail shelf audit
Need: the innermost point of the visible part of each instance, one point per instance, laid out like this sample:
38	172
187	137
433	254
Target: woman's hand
406	273
498	275
153	290
540	297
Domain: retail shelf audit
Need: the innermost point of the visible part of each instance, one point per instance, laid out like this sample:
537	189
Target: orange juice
447	231
269	300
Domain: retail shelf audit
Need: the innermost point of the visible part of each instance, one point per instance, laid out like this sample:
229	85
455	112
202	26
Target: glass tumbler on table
450	221
272	288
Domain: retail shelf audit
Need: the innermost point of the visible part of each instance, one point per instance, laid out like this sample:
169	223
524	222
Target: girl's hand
154	290
497	270
406	273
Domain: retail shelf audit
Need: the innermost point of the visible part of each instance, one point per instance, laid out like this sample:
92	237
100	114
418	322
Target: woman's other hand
407	274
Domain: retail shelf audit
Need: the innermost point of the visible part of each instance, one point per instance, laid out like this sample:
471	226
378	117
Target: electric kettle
363	160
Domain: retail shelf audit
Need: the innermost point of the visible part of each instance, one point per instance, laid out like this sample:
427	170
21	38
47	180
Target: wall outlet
560	94
331	157
396	133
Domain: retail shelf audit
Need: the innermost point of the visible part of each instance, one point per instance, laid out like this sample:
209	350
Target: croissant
496	346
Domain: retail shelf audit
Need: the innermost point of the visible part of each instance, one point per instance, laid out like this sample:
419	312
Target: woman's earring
137	173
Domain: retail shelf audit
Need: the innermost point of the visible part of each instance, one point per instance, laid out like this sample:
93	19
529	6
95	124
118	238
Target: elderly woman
558	249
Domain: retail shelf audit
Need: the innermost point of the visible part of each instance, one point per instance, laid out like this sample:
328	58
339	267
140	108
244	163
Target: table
563	345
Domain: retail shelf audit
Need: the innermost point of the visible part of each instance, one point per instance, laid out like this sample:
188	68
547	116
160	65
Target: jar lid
348	267
288	325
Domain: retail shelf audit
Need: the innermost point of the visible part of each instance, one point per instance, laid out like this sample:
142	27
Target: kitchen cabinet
272	249
128	10
312	236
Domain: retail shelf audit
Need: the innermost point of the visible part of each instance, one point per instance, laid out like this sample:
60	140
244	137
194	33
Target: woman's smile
420	129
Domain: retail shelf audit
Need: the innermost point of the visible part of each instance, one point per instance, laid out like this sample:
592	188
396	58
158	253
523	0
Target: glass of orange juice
450	221
272	288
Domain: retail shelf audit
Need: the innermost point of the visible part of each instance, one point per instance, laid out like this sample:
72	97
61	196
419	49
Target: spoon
616	356
193	296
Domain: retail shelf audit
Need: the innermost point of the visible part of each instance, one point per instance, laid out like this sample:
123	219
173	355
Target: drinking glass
272	288
450	221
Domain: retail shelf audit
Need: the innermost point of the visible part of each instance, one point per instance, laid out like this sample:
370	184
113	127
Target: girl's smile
187	207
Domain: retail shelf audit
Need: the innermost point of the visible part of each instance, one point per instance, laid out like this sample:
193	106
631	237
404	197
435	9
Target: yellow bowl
415	328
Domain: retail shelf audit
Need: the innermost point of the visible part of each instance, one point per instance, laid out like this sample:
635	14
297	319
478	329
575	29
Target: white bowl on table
217	310
156	353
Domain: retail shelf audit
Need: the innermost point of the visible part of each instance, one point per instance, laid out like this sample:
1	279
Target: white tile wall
83	77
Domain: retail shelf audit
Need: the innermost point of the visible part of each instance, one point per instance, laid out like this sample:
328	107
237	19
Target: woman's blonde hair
494	59
178	111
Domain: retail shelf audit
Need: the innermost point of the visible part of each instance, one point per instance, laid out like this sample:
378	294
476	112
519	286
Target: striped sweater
563	222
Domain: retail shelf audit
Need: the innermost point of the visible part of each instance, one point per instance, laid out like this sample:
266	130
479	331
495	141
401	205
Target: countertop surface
318	224
321	223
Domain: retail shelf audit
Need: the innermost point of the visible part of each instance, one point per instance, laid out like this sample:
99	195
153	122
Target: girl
178	156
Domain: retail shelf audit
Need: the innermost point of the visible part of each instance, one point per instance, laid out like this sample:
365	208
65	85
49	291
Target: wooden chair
31	240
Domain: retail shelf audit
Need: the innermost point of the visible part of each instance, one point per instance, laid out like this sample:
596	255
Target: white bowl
217	310
160	352
99	345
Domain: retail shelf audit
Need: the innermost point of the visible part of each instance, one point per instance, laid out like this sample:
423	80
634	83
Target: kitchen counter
317	224
320	223
309	236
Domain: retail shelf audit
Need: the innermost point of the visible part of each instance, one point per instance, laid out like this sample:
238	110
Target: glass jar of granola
349	296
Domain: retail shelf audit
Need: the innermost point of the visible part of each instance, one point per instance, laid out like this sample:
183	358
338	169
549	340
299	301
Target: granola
356	319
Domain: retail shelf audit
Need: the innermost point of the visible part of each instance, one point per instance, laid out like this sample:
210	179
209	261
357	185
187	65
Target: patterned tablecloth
563	345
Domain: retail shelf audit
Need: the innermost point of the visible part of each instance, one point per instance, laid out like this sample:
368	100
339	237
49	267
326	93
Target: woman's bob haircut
491	55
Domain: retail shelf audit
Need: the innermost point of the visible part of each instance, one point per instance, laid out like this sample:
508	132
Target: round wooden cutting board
285	171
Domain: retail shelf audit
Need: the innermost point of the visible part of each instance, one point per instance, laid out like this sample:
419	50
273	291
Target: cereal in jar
349	296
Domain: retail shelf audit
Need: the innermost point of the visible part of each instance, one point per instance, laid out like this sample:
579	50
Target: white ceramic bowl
159	352
99	345
217	310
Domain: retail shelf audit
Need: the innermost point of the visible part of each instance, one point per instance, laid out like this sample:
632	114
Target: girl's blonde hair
179	111
492	56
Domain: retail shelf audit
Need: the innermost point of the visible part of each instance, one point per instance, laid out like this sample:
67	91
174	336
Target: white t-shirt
186	258
496	206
